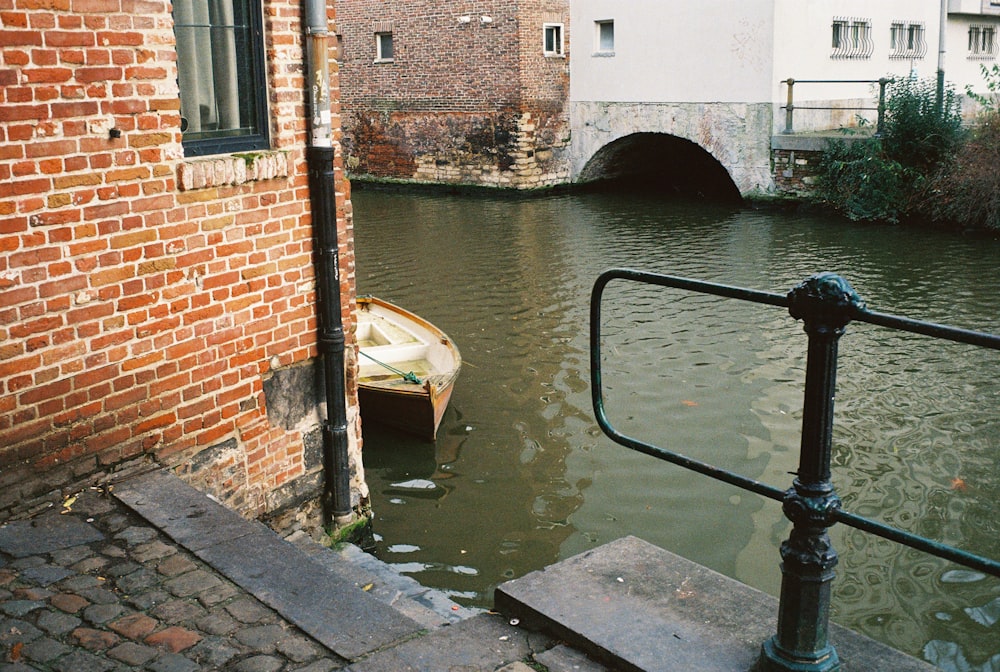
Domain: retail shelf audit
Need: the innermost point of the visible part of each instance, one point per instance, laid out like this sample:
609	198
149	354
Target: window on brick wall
383	47
604	34
220	73
552	39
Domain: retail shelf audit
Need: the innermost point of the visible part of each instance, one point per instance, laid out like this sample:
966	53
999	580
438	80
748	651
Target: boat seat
395	353
379	332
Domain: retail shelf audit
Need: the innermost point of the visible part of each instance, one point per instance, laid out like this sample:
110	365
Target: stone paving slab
428	607
483	642
641	608
48	532
335	611
186	515
338	614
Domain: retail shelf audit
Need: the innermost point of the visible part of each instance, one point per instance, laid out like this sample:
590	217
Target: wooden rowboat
406	369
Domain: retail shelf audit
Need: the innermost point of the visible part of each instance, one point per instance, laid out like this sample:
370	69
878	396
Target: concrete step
483	643
329	607
563	658
639	608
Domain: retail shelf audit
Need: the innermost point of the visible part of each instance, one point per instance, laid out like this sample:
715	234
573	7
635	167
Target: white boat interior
407	348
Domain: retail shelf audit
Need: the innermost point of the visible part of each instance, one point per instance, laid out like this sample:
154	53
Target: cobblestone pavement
114	594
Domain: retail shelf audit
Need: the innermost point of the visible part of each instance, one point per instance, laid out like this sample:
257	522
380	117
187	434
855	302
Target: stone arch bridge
718	149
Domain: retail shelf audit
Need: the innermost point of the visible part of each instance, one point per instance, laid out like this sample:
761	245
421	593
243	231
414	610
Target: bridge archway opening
661	163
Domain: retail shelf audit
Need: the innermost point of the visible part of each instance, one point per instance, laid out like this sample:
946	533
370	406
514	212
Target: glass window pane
218	72
606	30
385	50
552	39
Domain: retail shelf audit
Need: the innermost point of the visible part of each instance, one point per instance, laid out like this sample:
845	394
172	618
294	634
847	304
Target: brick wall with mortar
461	102
146	300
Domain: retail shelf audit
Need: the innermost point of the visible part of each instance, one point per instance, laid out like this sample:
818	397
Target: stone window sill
233	169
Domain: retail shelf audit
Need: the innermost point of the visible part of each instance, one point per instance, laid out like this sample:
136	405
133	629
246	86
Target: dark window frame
250	74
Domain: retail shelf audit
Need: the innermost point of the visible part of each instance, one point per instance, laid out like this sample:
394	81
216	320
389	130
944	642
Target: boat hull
394	342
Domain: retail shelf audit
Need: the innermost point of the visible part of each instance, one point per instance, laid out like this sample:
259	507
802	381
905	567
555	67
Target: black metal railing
790	105
825	303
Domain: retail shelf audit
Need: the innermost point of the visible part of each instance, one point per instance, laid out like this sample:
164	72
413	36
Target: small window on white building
552	39
982	42
852	38
906	40
383	47
604	32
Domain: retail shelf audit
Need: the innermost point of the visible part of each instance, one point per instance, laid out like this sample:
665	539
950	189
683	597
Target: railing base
772	660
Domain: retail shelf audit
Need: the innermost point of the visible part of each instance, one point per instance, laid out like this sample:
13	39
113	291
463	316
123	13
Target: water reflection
522	477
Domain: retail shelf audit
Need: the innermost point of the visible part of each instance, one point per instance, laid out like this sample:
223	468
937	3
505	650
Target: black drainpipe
336	497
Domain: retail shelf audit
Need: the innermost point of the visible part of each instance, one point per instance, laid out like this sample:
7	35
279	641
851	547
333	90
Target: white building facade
715	72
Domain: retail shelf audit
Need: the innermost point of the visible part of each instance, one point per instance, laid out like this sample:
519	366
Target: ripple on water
917	437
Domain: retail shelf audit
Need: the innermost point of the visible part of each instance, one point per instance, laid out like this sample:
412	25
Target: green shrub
920	130
859	179
884	178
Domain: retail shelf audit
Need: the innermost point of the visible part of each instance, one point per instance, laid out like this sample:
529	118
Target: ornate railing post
825	303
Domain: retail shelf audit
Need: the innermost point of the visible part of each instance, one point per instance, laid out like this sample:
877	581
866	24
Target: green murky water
521	477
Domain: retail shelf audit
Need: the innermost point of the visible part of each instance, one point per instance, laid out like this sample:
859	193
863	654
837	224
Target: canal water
521	477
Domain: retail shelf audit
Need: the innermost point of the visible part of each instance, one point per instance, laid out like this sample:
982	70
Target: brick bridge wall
461	103
152	307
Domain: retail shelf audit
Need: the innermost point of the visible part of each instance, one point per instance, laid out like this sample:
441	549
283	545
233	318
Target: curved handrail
861	314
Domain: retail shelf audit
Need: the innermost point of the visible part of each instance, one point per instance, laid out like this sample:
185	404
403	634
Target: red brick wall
544	81
440	64
144	299
472	103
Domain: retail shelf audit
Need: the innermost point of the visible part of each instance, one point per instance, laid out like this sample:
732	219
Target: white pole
942	31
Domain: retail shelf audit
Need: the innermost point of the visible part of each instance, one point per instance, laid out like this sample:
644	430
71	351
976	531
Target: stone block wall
795	160
468	97
147	299
795	171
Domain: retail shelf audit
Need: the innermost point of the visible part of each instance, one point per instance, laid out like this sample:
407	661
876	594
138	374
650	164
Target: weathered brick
91	74
61	38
